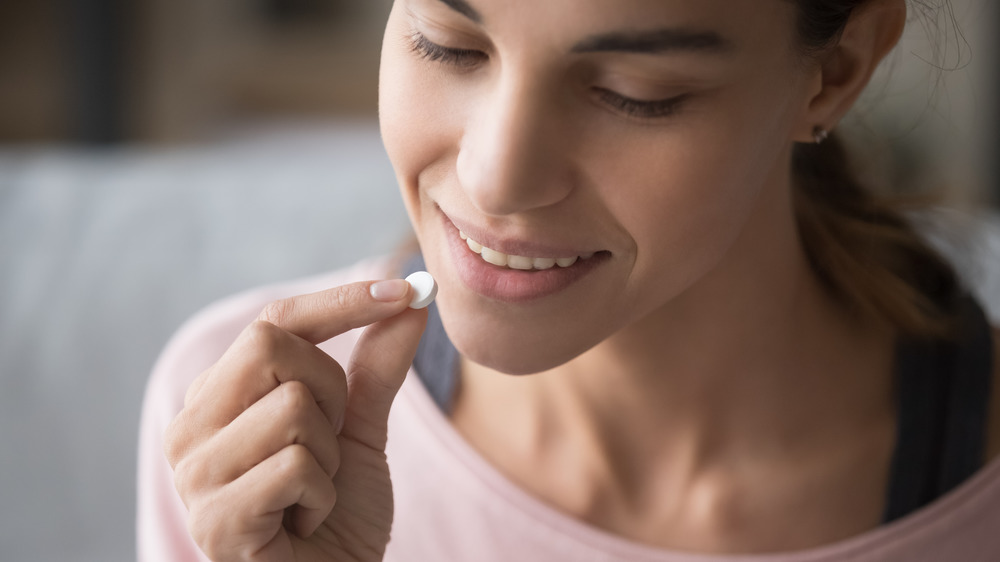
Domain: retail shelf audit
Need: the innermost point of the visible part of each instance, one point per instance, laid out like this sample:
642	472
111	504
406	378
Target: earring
820	134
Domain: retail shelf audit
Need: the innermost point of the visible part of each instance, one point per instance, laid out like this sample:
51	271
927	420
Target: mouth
519	271
521	263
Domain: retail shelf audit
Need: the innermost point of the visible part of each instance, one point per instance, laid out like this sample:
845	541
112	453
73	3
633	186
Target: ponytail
864	249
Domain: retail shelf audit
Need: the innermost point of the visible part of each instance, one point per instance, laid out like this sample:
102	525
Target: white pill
425	288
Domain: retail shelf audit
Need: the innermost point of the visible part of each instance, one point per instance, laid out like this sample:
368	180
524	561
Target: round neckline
966	496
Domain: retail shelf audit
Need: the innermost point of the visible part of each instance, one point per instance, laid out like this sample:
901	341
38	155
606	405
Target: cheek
399	120
420	122
691	196
684	208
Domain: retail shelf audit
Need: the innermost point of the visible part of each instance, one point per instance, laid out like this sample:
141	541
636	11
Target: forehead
741	23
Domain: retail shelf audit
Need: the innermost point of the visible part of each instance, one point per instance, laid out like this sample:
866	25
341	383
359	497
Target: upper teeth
519	262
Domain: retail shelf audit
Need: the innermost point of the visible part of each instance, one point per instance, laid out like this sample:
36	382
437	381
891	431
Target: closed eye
641	108
428	50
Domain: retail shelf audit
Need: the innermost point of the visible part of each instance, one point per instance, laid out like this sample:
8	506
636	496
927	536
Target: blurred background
156	155
111	71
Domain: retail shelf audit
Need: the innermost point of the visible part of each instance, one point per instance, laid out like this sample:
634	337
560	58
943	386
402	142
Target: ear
872	30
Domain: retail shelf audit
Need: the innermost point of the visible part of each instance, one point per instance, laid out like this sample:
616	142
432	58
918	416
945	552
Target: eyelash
642	109
467	58
427	50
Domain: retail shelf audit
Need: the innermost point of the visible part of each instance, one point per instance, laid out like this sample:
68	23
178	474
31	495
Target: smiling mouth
523	263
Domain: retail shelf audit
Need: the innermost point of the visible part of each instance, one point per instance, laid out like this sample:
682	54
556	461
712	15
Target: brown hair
862	246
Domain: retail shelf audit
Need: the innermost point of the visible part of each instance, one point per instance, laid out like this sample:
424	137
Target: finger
245	517
292	477
261	359
317	317
288	415
376	370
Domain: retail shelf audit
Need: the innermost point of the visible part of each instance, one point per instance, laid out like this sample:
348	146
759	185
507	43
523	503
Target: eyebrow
463	7
657	41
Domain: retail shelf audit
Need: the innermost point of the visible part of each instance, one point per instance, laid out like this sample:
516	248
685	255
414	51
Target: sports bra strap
942	399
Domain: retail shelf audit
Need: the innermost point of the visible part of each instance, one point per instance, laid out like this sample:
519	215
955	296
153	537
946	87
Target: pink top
451	505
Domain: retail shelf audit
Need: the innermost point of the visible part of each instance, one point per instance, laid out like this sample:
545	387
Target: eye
428	50
642	109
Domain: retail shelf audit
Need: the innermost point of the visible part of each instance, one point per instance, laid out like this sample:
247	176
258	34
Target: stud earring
820	134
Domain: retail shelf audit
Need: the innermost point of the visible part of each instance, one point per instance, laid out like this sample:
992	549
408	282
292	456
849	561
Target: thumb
375	373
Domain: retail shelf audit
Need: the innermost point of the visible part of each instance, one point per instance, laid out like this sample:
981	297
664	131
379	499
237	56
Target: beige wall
32	73
928	121
202	65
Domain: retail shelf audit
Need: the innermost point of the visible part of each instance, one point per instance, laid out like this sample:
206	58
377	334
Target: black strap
436	361
943	390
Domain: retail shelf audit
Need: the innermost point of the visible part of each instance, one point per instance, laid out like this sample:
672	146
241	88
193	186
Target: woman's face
639	137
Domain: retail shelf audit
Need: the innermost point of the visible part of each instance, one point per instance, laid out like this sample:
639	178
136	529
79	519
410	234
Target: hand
279	454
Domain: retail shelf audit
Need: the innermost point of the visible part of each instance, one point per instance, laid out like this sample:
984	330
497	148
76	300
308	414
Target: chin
511	347
520	362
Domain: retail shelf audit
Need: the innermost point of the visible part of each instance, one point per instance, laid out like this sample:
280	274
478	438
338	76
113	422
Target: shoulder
200	341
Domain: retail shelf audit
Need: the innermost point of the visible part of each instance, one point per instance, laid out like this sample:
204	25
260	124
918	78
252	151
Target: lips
504	274
524	263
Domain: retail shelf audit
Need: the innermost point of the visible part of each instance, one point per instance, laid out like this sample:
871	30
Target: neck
756	358
711	382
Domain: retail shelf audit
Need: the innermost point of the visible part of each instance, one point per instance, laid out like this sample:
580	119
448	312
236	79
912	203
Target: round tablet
424	289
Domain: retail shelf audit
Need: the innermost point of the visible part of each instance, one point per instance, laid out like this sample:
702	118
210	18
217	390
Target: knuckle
187	479
179	443
182	480
276	312
172	448
347	296
264	340
344	297
294	401
263	334
295	397
294	462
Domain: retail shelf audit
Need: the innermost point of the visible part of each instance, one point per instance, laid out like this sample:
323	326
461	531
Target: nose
512	156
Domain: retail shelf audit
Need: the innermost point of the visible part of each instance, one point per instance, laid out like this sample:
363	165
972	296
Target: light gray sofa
103	255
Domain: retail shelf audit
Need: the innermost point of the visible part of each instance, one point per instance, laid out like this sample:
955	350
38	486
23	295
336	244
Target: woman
672	327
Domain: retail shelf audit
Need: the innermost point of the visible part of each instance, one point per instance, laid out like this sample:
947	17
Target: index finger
317	317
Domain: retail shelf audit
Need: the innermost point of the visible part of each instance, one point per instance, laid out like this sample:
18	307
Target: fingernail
389	291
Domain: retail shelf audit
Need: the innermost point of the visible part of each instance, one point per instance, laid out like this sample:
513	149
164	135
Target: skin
697	390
